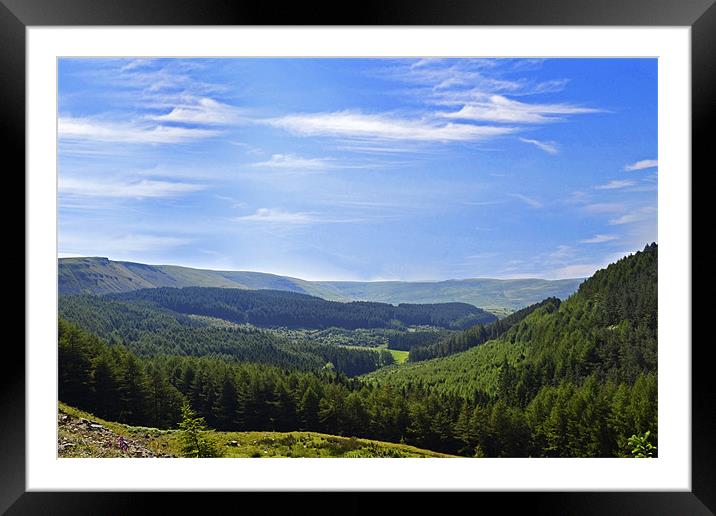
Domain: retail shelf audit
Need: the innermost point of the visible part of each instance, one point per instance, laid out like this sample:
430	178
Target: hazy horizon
61	257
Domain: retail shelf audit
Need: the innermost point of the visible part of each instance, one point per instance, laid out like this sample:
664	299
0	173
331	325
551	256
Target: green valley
572	378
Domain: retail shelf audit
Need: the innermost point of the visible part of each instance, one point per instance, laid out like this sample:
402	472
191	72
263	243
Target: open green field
399	356
78	438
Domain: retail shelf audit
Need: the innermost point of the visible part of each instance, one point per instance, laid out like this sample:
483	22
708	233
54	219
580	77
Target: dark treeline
476	335
272	308
148	330
587	420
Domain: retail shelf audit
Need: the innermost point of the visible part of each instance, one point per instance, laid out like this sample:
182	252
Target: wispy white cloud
118	246
172	77
530	201
233	202
641	165
576	270
603	207
551	86
444	76
615	184
141	189
357	125
638	215
599	239
277	216
498	108
482	256
443	81
570	264
548	147
136	63
202	111
293	162
90	130
644	188
483	203
562	252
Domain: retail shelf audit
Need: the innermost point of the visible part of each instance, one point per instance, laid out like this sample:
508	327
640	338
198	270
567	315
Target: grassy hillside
81	434
95	275
102	276
262	280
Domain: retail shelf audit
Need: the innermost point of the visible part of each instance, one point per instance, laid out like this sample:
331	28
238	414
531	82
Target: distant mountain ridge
96	275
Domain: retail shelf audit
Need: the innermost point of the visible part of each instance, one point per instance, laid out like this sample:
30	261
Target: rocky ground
80	437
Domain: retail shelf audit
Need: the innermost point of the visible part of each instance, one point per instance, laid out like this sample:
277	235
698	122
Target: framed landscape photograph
363	258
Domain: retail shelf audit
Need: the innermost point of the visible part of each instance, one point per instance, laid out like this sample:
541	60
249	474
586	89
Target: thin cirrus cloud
577	270
562	252
530	201
449	83
498	108
117	245
615	184
641	165
291	161
459	82
635	216
135	64
89	130
357	125
599	239
202	111
603	207
278	216
300	218
548	147
142	189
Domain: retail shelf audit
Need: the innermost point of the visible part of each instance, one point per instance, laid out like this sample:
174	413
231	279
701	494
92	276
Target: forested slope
479	334
148	330
608	328
597	350
292	310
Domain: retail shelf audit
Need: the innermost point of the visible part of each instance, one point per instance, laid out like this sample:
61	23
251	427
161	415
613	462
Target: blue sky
359	169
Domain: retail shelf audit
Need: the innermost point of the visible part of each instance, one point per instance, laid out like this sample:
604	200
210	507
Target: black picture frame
699	15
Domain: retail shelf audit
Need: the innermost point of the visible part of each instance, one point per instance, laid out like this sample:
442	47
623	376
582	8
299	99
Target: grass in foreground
77	438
